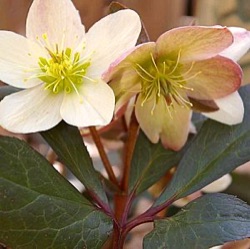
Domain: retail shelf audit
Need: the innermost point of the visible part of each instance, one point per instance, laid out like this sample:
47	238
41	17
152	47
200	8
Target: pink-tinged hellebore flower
60	67
230	106
180	72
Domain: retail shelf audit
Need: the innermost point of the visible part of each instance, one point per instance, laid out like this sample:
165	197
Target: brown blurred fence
158	15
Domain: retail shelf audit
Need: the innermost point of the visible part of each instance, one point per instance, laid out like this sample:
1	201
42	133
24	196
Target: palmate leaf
216	150
67	142
149	163
208	221
39	208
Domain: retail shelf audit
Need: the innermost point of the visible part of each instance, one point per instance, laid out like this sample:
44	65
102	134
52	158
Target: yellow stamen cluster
63	71
165	79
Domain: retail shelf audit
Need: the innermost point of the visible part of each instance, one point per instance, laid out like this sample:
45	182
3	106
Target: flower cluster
187	68
64	73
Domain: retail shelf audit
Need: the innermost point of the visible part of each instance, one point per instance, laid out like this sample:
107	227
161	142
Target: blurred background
158	16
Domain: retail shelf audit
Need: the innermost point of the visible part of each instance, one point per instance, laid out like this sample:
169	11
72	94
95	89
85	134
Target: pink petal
59	20
125	88
141	55
122	75
213	78
193	42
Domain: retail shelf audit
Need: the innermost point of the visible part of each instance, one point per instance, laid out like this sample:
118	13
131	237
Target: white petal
30	110
181	202
219	185
58	19
240	45
231	110
111	37
94	106
18	60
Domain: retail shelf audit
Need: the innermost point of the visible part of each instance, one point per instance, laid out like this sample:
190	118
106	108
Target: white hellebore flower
60	67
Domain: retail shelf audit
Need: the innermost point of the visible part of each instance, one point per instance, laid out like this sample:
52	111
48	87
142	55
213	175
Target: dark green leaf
198	119
39	208
240	186
67	142
7	90
208	221
215	151
150	162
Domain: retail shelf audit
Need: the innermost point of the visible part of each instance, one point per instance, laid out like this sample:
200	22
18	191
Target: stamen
148	94
90	79
185	87
170	85
76	90
153	108
46	42
176	64
189	70
164	67
63	70
142	76
185	102
191	77
34	76
48	86
169	111
145	71
159	88
55	88
154	63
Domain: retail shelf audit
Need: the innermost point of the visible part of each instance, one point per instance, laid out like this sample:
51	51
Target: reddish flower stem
122	229
124	199
149	216
118	237
103	155
129	149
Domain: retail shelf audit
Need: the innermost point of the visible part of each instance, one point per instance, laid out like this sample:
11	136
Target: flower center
63	71
165	79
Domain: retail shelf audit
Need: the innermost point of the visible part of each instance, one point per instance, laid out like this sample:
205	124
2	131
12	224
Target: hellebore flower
180	72
60	67
230	106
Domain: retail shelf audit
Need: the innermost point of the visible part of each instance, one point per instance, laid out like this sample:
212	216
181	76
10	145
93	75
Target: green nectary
63	71
166	79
